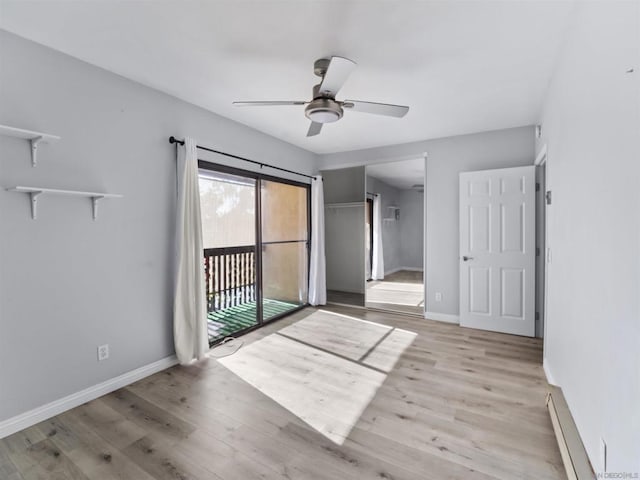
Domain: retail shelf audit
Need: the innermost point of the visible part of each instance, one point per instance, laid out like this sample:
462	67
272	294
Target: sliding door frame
258	177
369	205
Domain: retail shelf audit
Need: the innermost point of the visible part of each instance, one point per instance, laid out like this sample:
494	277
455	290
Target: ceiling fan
324	108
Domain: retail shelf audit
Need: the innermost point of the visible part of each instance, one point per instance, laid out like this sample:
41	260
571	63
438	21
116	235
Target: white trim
393	270
542	156
424	234
547	373
442	317
374	161
39	414
399	269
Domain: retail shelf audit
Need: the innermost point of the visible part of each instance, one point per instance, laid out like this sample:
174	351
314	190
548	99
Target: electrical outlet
438	296
103	352
603	455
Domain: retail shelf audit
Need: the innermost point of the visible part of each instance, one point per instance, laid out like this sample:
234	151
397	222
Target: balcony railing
230	276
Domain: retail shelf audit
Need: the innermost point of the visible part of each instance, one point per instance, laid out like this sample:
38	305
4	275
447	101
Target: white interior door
497	250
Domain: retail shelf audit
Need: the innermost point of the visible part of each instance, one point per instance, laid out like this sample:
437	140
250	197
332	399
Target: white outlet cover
438	296
103	352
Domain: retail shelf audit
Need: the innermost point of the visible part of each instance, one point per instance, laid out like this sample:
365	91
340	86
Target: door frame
542	161
369	206
258	176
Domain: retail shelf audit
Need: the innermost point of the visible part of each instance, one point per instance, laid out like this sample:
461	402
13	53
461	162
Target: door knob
466	259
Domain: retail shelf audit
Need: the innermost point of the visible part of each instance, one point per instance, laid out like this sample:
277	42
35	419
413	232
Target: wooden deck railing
230	276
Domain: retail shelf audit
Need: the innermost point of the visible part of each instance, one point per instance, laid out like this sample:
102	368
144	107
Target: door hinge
548	197
537	187
537	251
537	315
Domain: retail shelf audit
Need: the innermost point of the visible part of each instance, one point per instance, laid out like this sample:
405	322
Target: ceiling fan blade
314	129
337	73
269	103
376	108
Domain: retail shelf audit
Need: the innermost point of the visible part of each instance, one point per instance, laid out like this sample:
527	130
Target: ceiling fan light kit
324	108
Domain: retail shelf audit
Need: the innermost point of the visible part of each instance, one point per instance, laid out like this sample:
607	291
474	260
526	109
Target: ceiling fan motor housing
320	66
323	110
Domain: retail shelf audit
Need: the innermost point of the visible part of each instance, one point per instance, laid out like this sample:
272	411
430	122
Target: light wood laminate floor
459	404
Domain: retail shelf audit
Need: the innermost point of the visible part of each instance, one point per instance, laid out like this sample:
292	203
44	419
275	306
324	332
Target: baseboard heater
574	456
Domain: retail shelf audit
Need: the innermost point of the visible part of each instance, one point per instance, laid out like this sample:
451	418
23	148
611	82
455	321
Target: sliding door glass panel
228	213
284	212
285	261
284	276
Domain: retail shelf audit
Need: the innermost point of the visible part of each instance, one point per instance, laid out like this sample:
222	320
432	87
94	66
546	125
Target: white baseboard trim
39	414
393	270
547	373
412	269
442	317
399	269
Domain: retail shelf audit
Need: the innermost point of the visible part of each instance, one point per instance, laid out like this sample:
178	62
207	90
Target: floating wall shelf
35	192
35	138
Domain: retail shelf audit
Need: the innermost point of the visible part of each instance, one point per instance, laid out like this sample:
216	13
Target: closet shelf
35	192
35	138
344	205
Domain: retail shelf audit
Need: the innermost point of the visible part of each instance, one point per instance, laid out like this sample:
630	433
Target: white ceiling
462	66
403	174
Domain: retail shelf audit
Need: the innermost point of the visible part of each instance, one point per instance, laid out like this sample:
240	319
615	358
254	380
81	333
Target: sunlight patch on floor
325	368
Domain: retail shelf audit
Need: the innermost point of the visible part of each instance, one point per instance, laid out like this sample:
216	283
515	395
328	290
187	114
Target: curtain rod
173	139
373	194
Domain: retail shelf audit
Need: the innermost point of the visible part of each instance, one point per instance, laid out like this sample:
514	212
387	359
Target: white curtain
190	309
317	268
377	269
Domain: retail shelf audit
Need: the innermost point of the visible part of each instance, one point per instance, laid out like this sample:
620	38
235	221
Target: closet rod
173	139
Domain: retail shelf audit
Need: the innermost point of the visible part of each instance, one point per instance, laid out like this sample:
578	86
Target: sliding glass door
247	286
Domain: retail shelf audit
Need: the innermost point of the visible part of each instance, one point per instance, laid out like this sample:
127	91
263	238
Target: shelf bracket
94	205
34	149
34	204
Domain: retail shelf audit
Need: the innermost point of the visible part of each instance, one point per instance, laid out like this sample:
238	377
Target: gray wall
345	185
591	124
390	230
447	157
67	283
411	229
344	229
